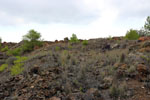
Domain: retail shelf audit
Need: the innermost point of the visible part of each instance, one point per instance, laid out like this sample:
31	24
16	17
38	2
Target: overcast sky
56	19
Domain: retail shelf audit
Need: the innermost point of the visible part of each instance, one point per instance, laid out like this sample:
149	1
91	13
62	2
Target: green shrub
114	91
31	39
15	52
118	90
57	48
17	67
85	42
74	39
5	49
132	35
3	67
20	59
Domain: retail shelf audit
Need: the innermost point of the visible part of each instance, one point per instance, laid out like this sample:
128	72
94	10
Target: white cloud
48	11
60	18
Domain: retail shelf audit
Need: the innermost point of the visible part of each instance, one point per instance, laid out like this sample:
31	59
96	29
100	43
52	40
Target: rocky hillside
103	69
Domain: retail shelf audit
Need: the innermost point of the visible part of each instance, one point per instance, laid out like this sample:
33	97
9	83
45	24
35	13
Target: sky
57	19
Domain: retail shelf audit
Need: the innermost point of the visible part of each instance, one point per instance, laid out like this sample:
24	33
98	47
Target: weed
64	57
131	69
111	70
20	59
3	67
57	48
15	52
114	91
118	90
122	58
85	42
122	89
17	68
5	49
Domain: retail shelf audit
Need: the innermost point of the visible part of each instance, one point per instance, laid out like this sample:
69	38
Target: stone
115	46
142	69
146	44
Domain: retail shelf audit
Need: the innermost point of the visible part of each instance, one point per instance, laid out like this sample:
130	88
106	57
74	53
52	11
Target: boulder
142	69
146	44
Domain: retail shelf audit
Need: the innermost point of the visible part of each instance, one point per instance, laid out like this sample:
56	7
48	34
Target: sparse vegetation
0	40
57	48
15	52
114	91
4	49
95	69
17	67
3	67
85	42
118	91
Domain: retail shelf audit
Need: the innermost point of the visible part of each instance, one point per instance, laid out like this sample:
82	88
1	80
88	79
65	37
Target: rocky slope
105	69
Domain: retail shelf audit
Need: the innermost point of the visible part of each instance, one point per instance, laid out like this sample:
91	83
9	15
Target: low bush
118	90
85	42
3	67
15	52
114	91
4	49
57	48
132	35
17	67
